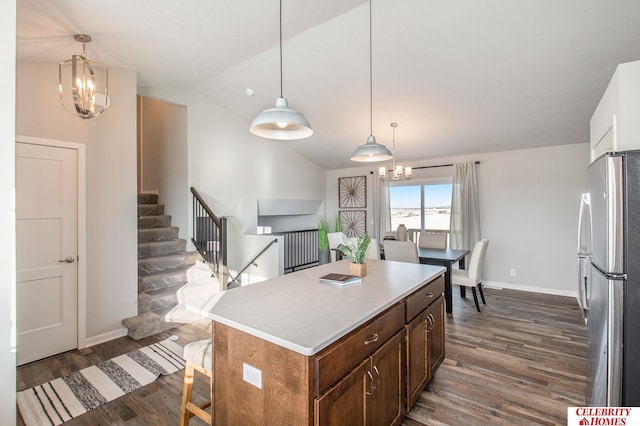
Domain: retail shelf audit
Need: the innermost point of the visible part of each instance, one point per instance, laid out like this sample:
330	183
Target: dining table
446	258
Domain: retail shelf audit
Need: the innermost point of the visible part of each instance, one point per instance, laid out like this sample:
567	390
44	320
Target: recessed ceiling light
249	92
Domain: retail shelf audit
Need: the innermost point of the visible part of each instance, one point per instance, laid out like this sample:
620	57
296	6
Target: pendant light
83	84
281	122
371	151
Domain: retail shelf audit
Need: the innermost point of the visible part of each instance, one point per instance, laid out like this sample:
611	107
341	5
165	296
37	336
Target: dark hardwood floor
519	362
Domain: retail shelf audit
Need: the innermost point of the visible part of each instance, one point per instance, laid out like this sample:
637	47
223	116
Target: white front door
47	249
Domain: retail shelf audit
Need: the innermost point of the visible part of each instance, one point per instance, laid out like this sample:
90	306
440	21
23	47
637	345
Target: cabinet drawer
335	361
421	299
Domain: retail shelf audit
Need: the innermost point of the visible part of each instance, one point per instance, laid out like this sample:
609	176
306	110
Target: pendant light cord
281	49
370	74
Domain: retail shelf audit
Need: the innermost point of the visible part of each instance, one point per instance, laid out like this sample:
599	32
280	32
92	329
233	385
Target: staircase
168	275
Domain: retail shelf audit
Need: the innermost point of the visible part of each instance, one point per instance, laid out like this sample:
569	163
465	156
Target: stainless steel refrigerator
609	287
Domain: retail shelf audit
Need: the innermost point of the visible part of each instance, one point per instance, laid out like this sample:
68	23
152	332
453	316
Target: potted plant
356	251
324	255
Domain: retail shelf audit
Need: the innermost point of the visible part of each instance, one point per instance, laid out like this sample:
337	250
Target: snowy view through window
405	206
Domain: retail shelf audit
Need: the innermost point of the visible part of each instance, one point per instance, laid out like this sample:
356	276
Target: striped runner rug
67	397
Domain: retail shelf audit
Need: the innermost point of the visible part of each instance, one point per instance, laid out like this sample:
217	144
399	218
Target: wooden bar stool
198	358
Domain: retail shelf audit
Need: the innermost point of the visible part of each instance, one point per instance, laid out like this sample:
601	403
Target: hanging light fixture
83	84
398	172
281	122
371	151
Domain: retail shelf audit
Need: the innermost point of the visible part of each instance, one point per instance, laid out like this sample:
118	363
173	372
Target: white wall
233	168
529	203
111	234
164	163
7	213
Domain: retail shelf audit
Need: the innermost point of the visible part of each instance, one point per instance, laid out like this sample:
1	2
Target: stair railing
210	238
252	262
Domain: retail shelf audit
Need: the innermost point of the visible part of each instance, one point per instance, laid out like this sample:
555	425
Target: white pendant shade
281	122
371	151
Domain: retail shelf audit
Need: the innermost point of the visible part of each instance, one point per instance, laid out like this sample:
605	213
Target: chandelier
397	171
83	84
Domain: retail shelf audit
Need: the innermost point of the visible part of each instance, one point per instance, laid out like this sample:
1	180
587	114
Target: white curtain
382	210
465	209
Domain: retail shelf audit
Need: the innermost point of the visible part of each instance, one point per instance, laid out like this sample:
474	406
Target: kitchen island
292	350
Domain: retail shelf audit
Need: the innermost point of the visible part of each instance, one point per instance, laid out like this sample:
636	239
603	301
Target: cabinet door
417	357
385	405
435	335
344	403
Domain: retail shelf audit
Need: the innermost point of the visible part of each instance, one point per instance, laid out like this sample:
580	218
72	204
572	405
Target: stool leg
186	394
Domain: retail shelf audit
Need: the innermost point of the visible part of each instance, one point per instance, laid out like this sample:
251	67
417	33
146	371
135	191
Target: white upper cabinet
615	124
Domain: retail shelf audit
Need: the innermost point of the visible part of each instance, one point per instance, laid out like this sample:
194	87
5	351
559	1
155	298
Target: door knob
68	259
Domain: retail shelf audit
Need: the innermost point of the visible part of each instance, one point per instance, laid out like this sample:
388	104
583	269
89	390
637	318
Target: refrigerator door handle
615	222
585	292
584	225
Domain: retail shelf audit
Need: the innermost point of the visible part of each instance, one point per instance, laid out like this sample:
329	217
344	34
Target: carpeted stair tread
162	298
167	262
147	198
160	279
178	314
159	248
158	234
146	324
160	221
150	210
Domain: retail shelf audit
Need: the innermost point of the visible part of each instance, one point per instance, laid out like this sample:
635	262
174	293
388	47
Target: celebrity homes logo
603	416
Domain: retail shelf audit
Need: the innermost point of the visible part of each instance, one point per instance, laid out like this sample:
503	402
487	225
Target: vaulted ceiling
459	76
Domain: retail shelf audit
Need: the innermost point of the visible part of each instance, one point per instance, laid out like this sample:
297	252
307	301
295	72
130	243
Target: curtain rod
438	165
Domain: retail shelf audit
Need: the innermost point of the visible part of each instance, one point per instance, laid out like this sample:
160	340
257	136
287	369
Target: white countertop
299	313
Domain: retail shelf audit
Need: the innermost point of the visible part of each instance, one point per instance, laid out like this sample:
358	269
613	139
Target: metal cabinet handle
431	323
68	259
375	368
373	339
372	388
428	295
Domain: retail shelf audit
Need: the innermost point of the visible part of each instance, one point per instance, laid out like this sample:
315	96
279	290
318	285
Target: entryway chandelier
281	122
371	151
83	84
397	172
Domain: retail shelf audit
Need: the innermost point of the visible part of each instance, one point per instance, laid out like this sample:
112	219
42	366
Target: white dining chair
401	251
373	250
432	240
335	239
472	276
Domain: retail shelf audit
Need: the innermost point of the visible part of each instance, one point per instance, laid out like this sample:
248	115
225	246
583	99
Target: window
423	206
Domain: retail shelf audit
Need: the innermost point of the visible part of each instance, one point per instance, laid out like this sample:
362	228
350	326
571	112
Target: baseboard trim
102	338
544	290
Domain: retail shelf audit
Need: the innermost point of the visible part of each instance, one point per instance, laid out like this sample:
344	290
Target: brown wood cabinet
435	335
424	334
371	394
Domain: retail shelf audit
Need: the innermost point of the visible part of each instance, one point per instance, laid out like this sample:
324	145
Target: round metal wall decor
352	192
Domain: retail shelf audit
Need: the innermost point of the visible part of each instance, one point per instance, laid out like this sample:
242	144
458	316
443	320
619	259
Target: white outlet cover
252	375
